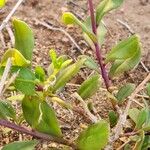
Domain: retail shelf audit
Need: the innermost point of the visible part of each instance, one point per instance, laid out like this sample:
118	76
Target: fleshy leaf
25	81
6	110
2	3
124	92
95	137
125	56
106	6
24	39
23	145
43	118
69	18
89	87
67	74
16	57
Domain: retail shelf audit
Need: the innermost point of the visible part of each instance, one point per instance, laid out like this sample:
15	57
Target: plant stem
42	136
97	47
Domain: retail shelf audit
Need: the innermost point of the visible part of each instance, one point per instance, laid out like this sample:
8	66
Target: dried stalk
59	29
5	75
11	35
5	21
123	116
11	80
91	116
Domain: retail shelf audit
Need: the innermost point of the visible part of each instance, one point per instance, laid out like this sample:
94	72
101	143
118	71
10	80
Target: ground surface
133	12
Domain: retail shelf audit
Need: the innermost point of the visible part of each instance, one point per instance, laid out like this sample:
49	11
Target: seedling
37	89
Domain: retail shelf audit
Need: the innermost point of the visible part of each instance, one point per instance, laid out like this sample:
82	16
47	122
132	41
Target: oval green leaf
89	87
95	137
16	57
43	118
113	118
125	56
141	119
24	39
133	114
25	81
69	18
106	6
23	145
40	73
67	74
124	92
6	110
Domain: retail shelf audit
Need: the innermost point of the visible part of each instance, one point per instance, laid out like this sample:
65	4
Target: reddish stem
97	47
39	135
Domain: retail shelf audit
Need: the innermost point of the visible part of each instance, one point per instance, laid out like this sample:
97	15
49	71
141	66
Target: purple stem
42	136
97	47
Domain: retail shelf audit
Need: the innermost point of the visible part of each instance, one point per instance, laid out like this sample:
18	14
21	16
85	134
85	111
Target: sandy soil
133	12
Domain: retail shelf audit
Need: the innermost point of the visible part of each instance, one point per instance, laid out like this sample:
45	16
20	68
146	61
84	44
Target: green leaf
148	88
43	118
106	6
6	110
69	18
127	147
58	63
125	56
95	137
146	126
24	39
53	57
40	73
113	118
90	62
124	92
101	32
139	143
141	119
25	81
16	57
23	145
89	87
133	114
67	74
2	3
146	143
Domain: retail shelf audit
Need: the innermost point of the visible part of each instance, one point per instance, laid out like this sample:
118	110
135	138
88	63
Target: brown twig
5	75
123	116
38	135
58	29
87	111
2	40
11	35
5	21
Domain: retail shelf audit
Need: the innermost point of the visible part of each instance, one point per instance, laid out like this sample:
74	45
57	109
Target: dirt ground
133	12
